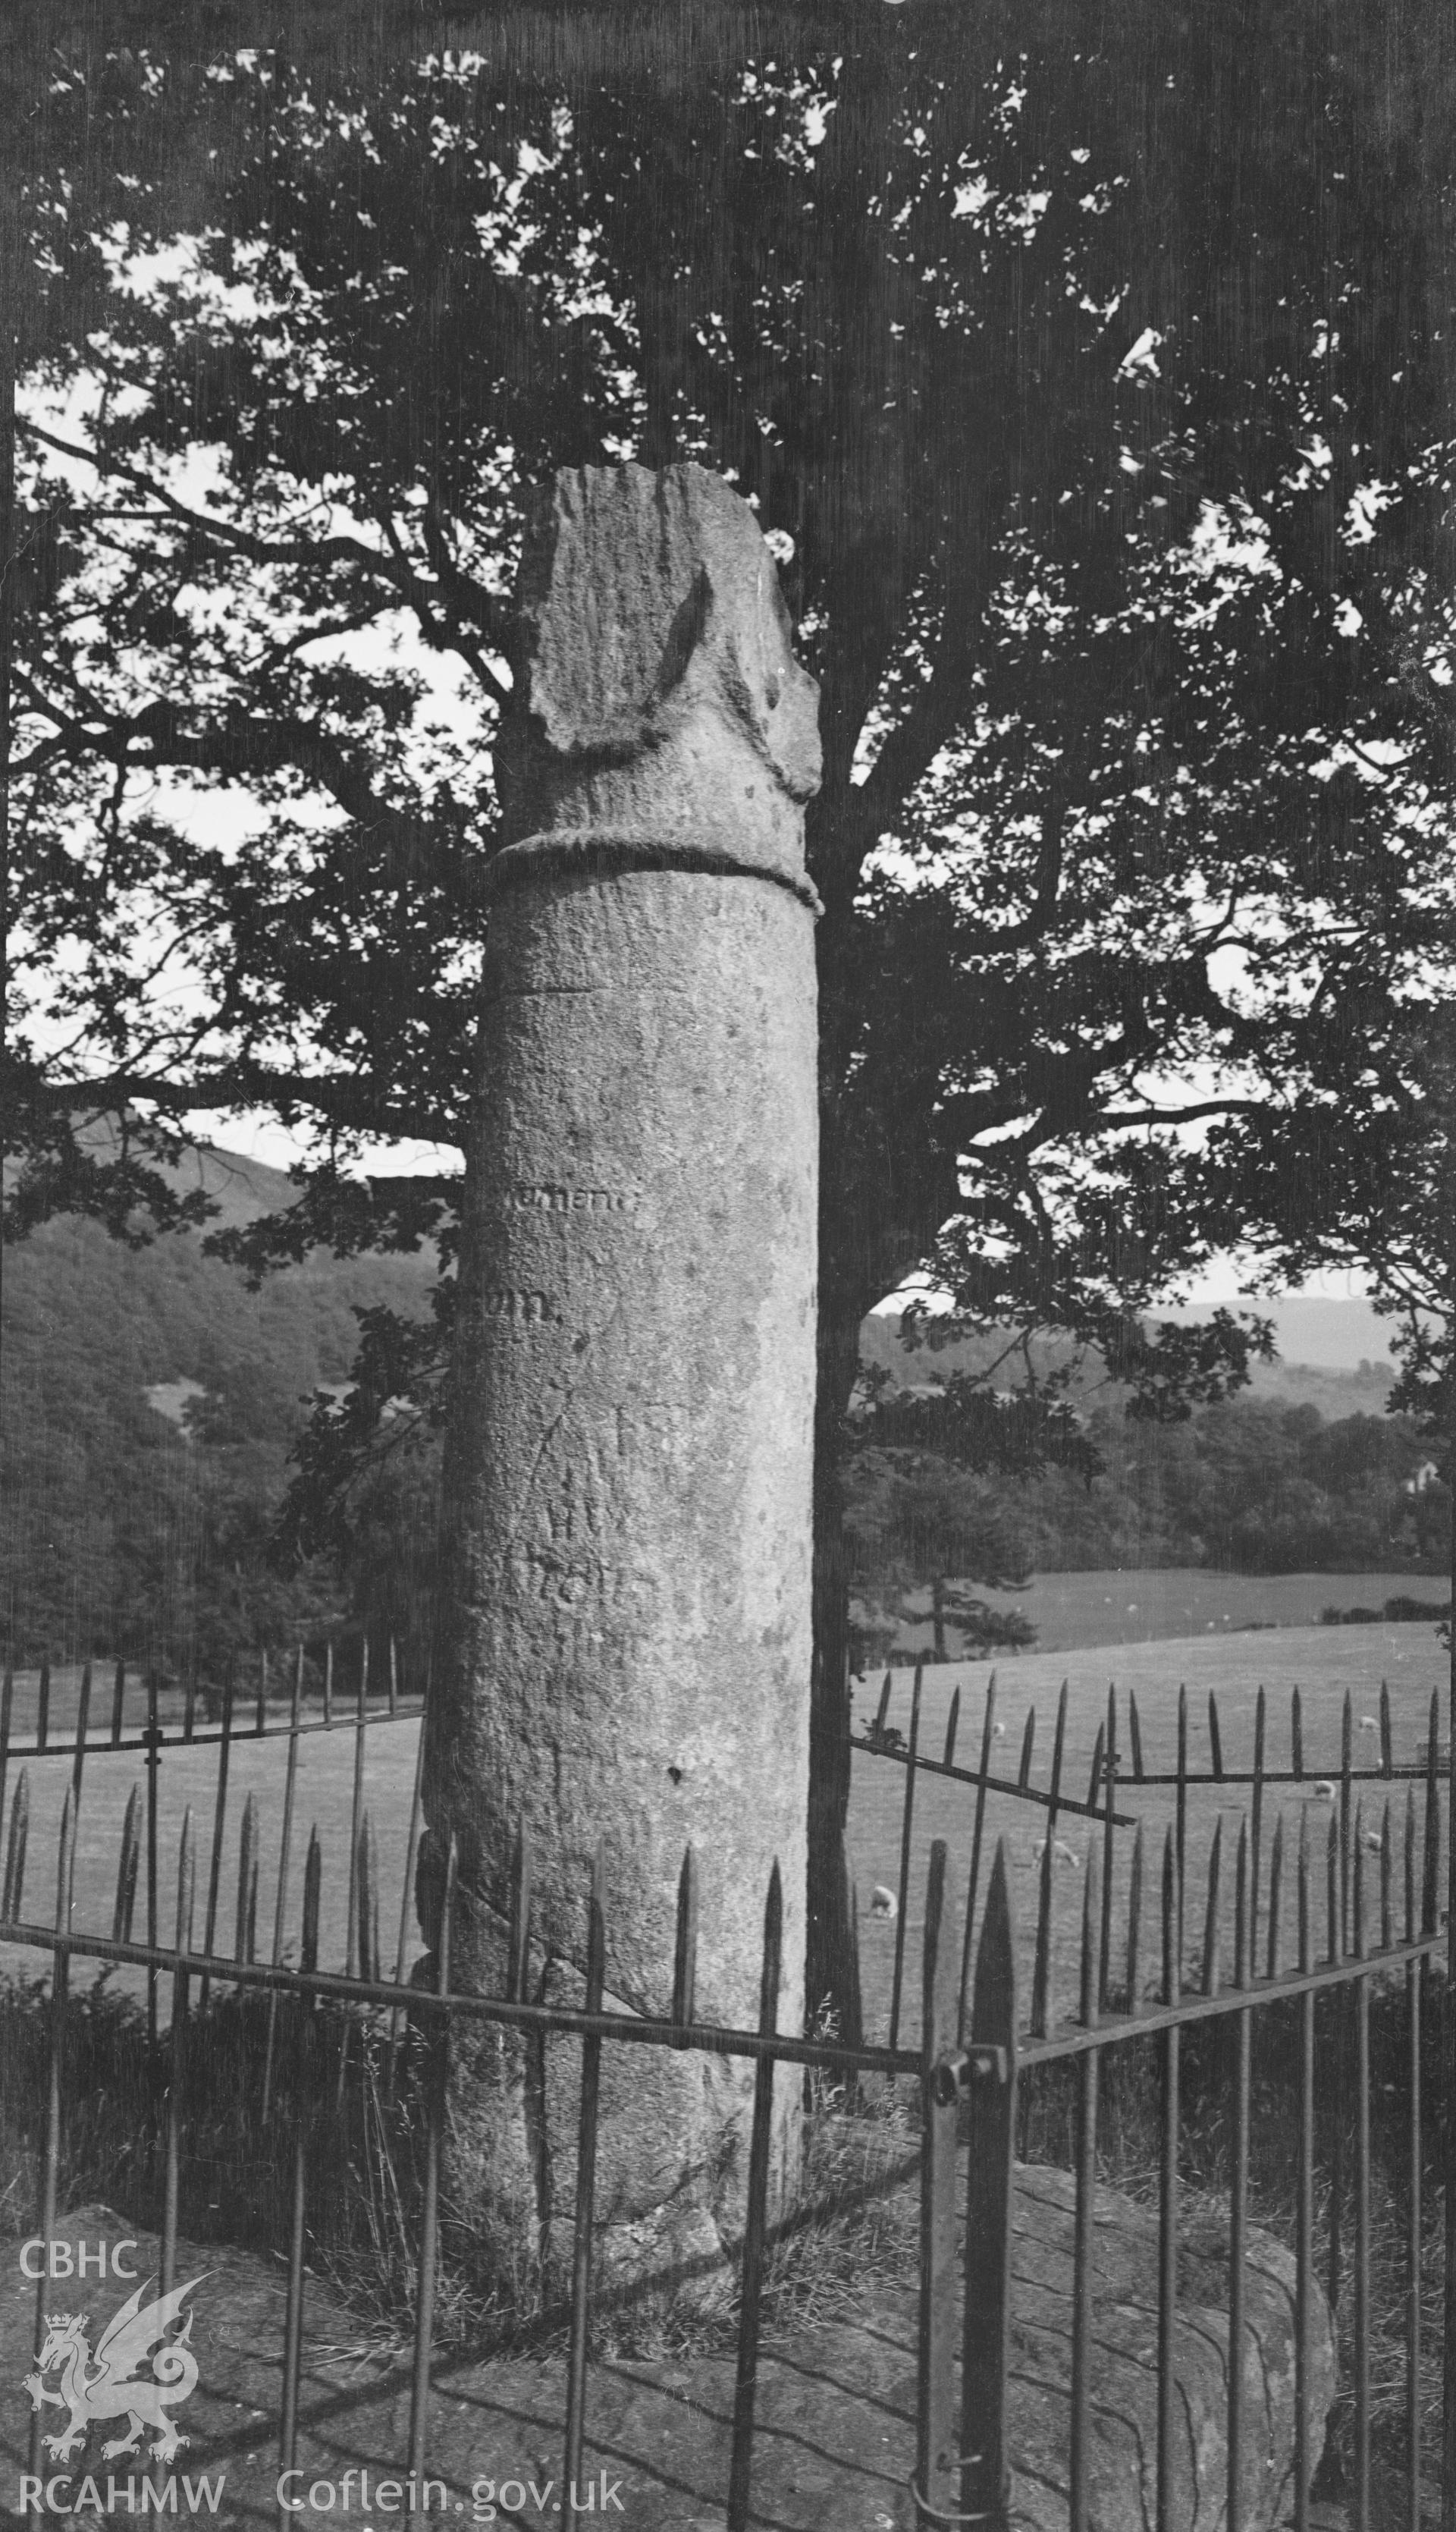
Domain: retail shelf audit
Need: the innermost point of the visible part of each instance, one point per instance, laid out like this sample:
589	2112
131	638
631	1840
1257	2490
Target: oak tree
1093	388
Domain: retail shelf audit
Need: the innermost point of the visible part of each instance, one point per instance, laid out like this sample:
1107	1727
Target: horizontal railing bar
1209	2008
1001	1784
1310	1777
94	1747
708	2039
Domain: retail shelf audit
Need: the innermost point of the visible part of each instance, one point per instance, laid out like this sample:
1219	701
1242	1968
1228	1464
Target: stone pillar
625	1653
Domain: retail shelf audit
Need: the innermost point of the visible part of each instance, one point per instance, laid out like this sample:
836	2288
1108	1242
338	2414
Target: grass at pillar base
854	2218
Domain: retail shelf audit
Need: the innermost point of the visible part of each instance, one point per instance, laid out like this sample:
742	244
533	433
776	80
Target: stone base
1124	2364
672	2148
834	2444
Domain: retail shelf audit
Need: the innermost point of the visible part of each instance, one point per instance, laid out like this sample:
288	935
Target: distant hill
116	1520
149	1403
242	1189
1333	1355
1312	1329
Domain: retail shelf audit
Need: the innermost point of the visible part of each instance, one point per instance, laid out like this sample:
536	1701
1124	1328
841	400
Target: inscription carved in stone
516	1309
572	1199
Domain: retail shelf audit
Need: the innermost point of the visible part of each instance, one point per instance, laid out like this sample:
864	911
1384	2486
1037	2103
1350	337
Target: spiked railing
1333	1901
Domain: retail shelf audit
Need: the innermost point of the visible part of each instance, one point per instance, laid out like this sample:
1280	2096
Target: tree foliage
1094	390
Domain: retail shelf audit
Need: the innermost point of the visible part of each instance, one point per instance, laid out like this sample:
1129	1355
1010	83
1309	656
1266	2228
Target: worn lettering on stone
518	1309
572	1199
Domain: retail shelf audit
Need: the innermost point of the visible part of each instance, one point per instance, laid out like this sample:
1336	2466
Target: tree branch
241	747
344	1099
1115	1117
912	746
394	569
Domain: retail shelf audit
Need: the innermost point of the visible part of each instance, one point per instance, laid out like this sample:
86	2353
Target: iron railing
441	2010
1381	1925
248	1721
976	2051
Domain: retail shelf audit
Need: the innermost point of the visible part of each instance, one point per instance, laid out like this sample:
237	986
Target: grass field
1322	1661
188	1779
1078	1611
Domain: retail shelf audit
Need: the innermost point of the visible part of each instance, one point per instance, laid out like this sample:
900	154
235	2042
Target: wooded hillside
141	1523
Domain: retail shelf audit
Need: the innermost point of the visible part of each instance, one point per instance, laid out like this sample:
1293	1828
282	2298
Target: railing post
937	2475
986	2480
153	1740
438	2080
756	2217
906	1831
1448	2064
60	1978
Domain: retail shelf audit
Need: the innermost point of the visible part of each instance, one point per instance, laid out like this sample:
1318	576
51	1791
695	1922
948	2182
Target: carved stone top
657	699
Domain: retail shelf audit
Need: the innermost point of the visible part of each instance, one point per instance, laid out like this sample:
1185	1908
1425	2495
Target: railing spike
1041	1972
1028	1744
755	2225
685	1944
1058	1747
285	1853
990	2122
83	1726
369	1901
219	1818
1276	1896
1094	1781
1109	1831
1429	1895
407	1897
186	1881
1135	1922
356	1813
907	1824
1347	1763
312	1881
518	1929
66	1864
1255	1825
1092	1920
988	1731
15	1853
1180	1813
1212	1912
247	1877
937	2470
127	1867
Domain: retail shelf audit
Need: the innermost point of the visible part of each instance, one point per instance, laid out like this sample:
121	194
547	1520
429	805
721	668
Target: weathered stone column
625	1656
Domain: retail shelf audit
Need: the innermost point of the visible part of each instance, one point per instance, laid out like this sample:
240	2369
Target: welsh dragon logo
108	2384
